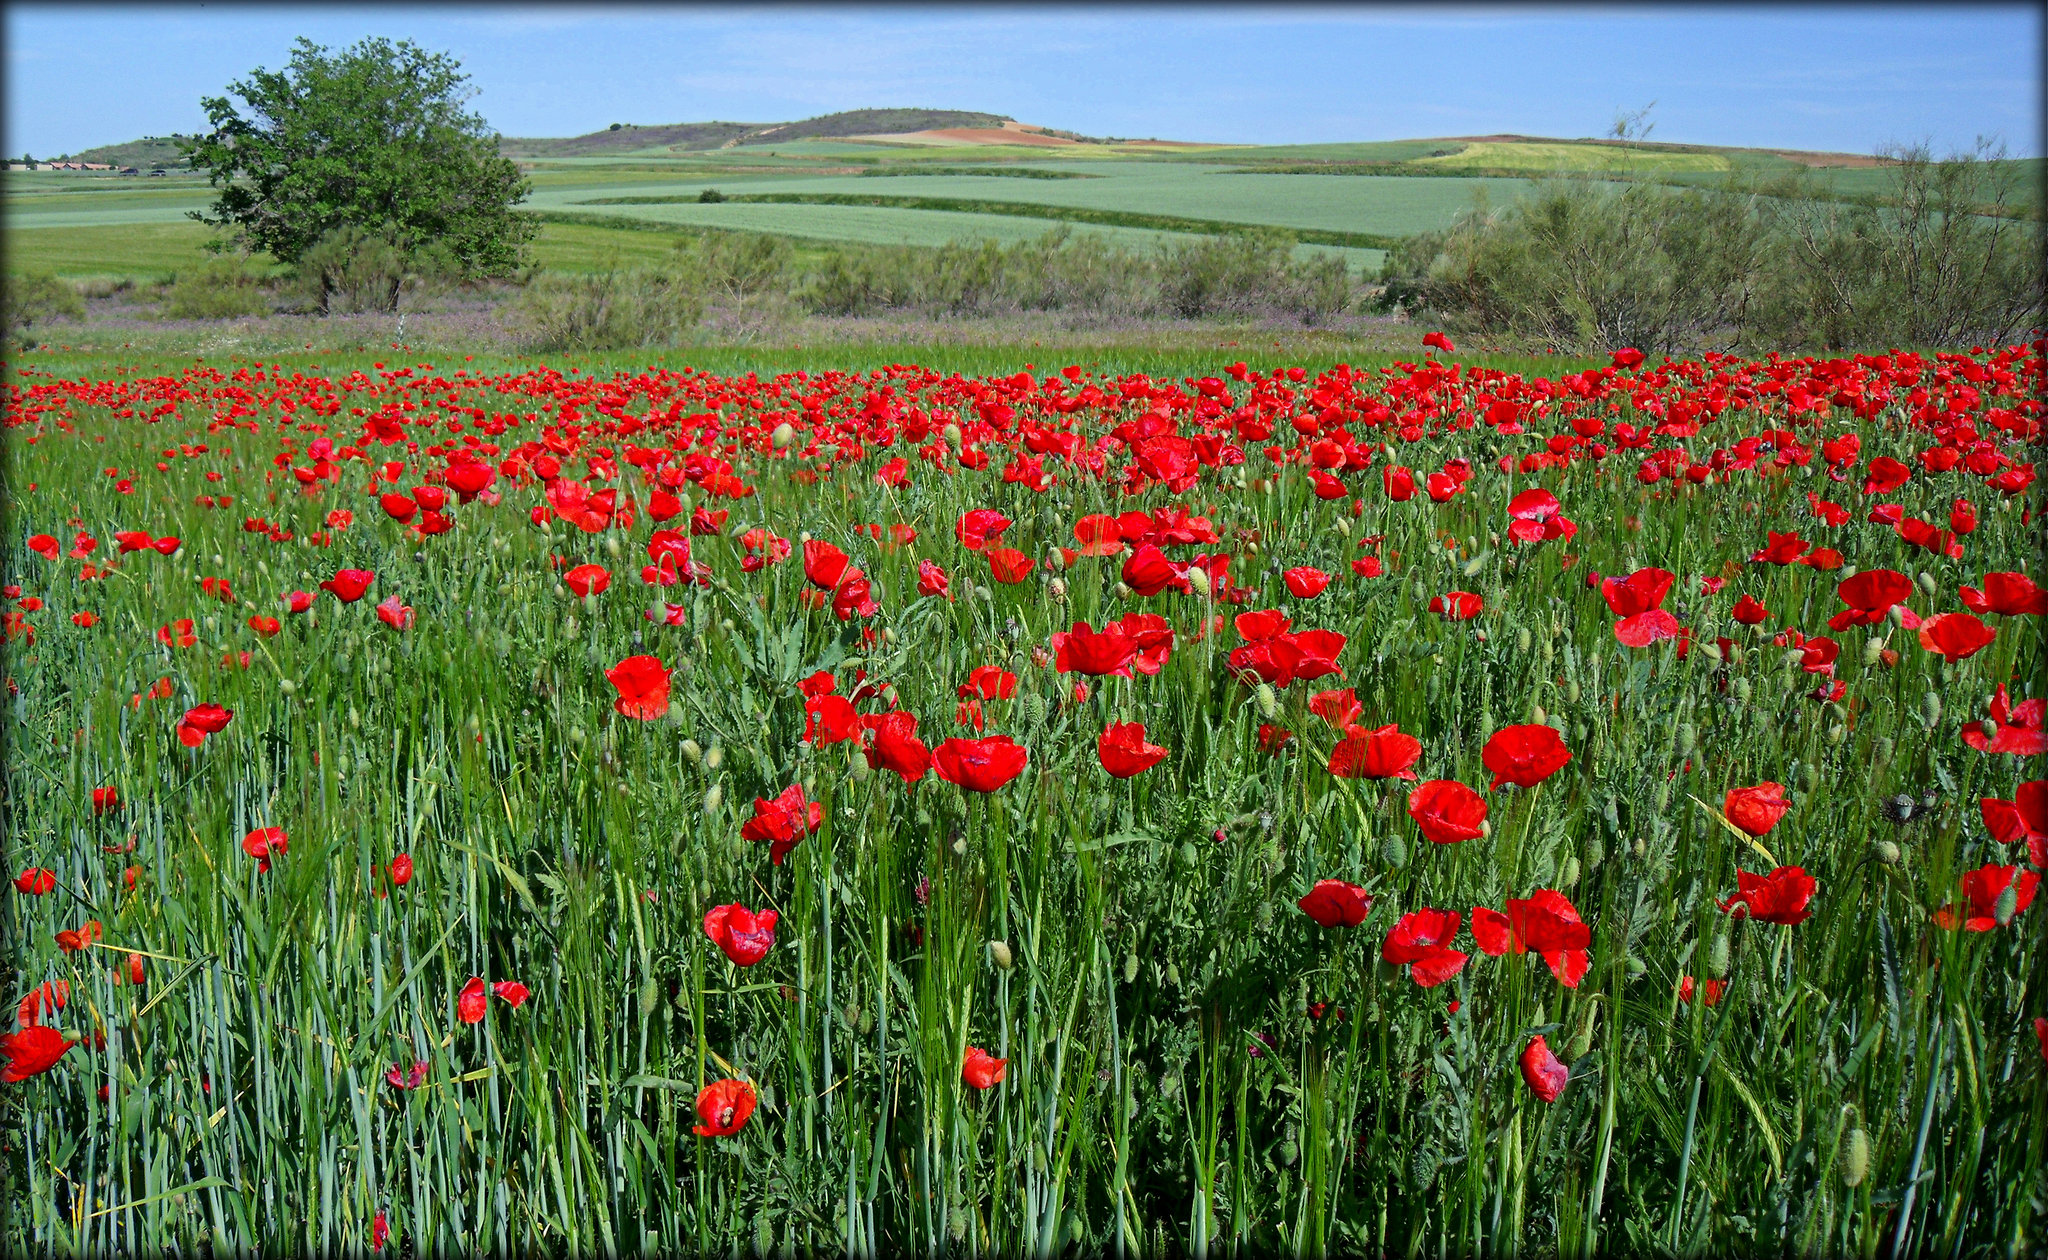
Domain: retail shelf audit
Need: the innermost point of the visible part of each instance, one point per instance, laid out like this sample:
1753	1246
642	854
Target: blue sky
1828	77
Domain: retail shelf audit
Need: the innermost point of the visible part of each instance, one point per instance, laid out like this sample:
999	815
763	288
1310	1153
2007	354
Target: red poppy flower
469	1004
262	842
932	580
990	682
1779	897
72	940
394	614
1457	605
981	1069
1382	753
1256	627
1319	650
1545	923
87	619
44	545
298	601
2017	727
1756	809
1369	567
1544	1072
1447	811
1098	535
1332	903
1008	565
201	721
978	527
828	719
1749	611
745	937
1304	582
1525	755
349	585
825	566
177	634
512	992
1437	341
1273	739
1644	628
1421	941
398	1077
1869	595
1081	650
32	1052
1714	989
1339	708
35	881
1885	475
1783	549
980	765
1123	751
783	822
723	1108
2025	817
642	685
105	800
1982	888
400	870
1639	592
1147	572
2008	594
891	743
1957	636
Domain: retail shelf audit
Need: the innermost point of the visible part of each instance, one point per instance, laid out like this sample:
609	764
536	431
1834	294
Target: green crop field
1005	801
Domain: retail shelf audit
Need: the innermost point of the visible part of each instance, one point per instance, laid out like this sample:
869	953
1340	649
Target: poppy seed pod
1855	1157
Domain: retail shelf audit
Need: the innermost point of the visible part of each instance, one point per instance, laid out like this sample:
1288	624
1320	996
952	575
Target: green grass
562	845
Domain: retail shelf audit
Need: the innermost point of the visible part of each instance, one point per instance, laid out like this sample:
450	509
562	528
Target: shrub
355	269
1944	258
221	289
37	297
613	309
710	196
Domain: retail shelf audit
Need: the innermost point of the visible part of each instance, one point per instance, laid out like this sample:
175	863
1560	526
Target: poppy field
1410	809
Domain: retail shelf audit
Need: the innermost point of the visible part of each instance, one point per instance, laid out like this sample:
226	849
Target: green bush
613	309
37	298
354	269
1943	258
221	289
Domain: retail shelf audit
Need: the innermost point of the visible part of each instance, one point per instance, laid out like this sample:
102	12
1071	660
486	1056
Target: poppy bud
999	954
1395	850
1664	796
1198	581
784	434
1342	525
1838	733
693	752
952	434
1569	876
1477	563
2007	905
1712	651
1886	853
1635	967
1741	689
1524	640
1881	751
1131	961
1873	650
1269	703
1057	588
714	757
1688	739
1172	977
714	798
1855	1157
1537	715
1582	1044
1596	852
1928	585
1717	956
1571	689
1930	708
286	686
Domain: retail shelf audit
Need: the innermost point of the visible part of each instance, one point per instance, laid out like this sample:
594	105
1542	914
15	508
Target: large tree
373	138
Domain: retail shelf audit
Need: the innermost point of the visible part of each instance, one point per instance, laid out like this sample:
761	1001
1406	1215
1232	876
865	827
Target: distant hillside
623	138
150	151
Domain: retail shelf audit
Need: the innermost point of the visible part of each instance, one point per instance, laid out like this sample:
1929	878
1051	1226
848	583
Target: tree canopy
373	138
